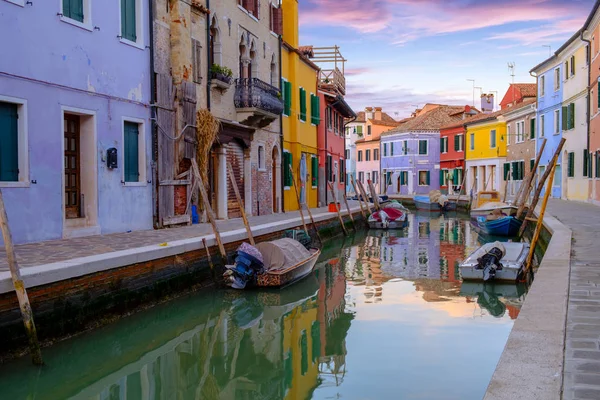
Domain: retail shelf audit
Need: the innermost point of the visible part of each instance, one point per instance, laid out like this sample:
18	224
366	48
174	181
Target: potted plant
221	73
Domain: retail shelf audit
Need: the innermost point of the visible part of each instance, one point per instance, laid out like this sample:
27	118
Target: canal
384	316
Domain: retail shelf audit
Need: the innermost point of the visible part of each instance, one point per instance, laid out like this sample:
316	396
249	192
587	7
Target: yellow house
301	351
485	154
299	88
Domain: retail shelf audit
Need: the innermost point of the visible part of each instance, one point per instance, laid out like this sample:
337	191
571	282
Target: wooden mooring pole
337	209
358	196
299	202
530	180
26	313
241	204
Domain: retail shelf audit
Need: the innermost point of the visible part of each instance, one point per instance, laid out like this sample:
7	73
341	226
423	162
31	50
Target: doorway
275	179
73	196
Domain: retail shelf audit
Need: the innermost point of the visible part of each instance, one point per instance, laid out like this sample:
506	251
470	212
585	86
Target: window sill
274	34
262	170
83	25
134	184
24	184
132	44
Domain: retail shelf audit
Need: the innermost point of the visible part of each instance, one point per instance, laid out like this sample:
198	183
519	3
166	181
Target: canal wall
82	294
531	365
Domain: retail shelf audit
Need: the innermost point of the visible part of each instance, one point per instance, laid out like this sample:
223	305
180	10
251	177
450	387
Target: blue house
549	116
75	131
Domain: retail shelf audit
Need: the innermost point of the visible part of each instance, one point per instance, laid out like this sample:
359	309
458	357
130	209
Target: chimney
378	113
369	113
487	103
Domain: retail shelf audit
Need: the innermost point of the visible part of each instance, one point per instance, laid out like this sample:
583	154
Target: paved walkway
34	254
582	346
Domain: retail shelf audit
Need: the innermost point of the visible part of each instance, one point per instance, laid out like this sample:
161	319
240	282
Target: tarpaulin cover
282	253
393	214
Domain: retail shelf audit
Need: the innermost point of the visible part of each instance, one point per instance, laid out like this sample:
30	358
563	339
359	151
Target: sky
405	53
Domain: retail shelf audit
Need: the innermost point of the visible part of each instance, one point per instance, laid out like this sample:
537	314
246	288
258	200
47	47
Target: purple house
75	128
410	154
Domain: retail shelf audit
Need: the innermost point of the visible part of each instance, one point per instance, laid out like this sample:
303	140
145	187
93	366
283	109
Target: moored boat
505	225
495	261
388	218
489	201
424	203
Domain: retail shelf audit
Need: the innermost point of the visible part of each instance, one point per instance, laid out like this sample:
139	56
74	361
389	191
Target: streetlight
473	80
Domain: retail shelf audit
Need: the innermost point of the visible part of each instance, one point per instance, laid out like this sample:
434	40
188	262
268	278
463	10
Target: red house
517	92
452	153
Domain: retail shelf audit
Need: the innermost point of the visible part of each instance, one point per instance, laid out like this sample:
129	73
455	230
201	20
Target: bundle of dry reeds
207	130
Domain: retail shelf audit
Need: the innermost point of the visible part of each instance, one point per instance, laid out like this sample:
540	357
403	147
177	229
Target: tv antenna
511	69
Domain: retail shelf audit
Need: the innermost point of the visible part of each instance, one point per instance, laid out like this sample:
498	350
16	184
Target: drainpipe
281	132
208	64
587	111
153	118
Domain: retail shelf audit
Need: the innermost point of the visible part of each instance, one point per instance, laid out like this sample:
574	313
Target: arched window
215	42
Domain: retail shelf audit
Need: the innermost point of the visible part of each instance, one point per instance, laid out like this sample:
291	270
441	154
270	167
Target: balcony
258	104
333	80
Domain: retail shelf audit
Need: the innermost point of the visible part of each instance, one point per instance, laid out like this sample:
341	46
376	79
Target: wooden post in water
241	204
374	195
299	203
506	186
26	313
337	209
363	194
208	208
208	254
540	221
358	196
540	186
349	212
530	179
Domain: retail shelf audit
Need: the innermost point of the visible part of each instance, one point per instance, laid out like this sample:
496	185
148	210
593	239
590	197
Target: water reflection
375	321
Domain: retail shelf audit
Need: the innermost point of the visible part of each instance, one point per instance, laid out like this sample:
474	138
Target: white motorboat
495	261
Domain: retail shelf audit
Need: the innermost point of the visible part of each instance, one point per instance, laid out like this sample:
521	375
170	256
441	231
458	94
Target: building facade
549	116
591	32
355	129
300	147
485	152
520	150
368	151
75	129
410	159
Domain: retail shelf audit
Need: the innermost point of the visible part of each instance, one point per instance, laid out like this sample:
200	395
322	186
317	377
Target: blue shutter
128	28
428	178
9	143
73	9
132	170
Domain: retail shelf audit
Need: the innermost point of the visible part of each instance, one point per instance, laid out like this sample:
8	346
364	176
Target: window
542	85
557	176
73	9
361	176
587	54
520	132
542	126
360	155
334	171
385	149
506	171
472	140
566	69
459	142
347	153
367	155
286	92
276	20
556	122
542	169
443	177
359	130
424	178
342	171
531	164
404	149
261	158
586	157
403	178
422	147
368	130
196	60
315	109
568	117
368	177
13	143
532	128
556	79
572	65
493	139
131	23
287	174
376	155
134	165
252	6
302	98
597	165
444	144
375	176
314	171
329	168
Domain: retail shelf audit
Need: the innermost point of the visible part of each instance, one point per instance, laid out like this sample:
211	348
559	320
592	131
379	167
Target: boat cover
483	250
392	214
282	253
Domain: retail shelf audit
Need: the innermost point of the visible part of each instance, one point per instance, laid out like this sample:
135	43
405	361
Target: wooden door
274	180
235	160
72	167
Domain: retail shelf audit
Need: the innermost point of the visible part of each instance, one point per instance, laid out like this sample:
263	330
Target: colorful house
452	153
300	116
520	150
549	115
591	32
368	149
355	129
518	93
410	158
485	152
75	128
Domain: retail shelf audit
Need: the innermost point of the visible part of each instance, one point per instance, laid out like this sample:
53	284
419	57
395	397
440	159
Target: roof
525	103
588	21
431	120
360	117
342	107
486	117
359	141
385	120
384	123
302	55
527	89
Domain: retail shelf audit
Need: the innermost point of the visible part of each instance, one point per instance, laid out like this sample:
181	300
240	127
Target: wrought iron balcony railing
254	93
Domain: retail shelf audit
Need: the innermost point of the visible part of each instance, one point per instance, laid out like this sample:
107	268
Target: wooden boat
495	261
291	274
504	226
489	201
388	218
423	203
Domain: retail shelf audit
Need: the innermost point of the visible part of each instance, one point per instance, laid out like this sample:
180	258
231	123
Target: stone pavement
582	346
33	254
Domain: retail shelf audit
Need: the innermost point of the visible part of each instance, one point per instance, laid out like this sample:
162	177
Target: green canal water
384	316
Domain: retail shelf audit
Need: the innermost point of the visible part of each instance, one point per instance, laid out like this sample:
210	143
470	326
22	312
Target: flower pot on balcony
220	80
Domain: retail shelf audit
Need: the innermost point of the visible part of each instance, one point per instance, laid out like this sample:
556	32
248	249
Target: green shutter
132	170
128	28
422	147
598	164
402	180
585	162
531	164
532	128
9	142
571	165
302	104
385	149
287	174
515	171
522	169
572	115
428	181
456	143
315	171
442	177
287	87
315	109
506	170
455	180
73	9
564	118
